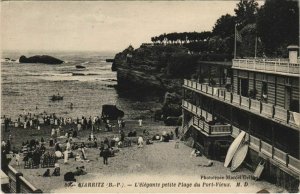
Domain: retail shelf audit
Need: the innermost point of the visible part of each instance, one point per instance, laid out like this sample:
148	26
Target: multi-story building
261	100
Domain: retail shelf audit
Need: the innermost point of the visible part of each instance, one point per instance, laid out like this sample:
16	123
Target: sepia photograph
196	96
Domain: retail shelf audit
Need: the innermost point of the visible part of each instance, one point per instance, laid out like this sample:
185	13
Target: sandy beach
158	167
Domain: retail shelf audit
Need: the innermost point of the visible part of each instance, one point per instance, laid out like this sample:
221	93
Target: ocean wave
84	63
85	74
9	61
48	74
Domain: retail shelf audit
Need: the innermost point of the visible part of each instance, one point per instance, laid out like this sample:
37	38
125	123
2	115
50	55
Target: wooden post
259	148
249	103
249	125
220	76
260	107
240	99
18	182
273	138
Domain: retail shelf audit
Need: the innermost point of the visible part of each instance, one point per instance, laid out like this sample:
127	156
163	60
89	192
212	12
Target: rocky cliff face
149	70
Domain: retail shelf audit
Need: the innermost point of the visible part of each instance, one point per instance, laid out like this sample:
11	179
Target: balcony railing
203	125
212	129
278	113
277	66
278	155
255	143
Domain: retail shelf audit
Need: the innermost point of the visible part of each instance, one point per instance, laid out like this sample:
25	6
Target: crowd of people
65	141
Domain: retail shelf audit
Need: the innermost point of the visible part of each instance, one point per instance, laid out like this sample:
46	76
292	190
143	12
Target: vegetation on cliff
275	25
160	67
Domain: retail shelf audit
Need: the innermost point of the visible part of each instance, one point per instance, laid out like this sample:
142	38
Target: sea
28	87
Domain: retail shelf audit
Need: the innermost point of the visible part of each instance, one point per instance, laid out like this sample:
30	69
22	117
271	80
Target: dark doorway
244	84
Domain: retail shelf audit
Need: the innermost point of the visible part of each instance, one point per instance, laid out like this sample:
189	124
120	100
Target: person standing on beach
78	126
105	154
140	122
122	136
176	132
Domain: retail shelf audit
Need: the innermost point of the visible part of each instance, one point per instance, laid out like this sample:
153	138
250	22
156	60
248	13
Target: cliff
40	59
154	70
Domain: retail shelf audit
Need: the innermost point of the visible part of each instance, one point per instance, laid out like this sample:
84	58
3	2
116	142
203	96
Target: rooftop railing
255	143
277	113
268	65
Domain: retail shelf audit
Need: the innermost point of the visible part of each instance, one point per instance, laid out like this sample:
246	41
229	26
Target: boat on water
80	67
56	97
78	74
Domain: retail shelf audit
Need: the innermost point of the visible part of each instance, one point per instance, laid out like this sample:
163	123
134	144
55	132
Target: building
262	99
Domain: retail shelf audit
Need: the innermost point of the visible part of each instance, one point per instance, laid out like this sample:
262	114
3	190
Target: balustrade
280	66
266	148
278	113
255	143
267	109
245	101
294	163
236	99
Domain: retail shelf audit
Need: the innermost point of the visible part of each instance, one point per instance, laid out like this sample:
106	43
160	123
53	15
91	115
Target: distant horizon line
58	50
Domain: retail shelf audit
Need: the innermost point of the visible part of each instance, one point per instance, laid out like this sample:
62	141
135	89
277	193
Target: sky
101	25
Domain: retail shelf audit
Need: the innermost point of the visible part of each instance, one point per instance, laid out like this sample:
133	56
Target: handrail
25	183
255	143
256	106
18	184
280	66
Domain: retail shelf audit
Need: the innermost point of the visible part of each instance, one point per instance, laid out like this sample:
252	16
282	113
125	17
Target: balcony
279	156
282	67
278	114
202	124
255	143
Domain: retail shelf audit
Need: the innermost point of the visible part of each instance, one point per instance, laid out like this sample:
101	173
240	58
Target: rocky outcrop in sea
40	59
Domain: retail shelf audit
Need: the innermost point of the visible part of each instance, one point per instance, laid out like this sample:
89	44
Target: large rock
40	59
131	80
111	112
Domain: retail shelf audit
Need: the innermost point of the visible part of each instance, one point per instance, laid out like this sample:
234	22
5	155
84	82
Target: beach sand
158	163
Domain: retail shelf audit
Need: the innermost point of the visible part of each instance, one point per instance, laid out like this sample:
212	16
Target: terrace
202	124
280	66
276	113
263	148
